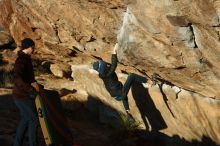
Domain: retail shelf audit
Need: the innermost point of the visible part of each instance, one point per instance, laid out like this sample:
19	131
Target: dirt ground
86	130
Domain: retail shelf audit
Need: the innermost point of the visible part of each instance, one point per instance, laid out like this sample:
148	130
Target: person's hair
26	43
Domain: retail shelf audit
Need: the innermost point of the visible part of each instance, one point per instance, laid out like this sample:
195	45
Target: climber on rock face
113	85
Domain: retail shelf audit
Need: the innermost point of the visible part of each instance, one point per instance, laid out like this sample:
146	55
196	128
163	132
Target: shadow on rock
96	124
6	102
165	98
10	45
147	108
160	139
105	113
4	142
6	79
119	137
8	120
2	62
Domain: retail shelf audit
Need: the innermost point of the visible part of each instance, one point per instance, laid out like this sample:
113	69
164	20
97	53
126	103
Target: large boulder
179	40
81	24
163	107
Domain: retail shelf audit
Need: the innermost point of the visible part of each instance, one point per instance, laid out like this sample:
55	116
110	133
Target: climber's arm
114	61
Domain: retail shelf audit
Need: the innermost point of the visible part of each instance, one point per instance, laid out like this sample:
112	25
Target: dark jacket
112	84
23	76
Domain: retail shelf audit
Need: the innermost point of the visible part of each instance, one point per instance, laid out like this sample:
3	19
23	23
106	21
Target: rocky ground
87	129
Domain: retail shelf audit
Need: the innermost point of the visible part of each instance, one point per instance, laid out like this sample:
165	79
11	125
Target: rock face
162	107
60	70
5	38
82	24
177	40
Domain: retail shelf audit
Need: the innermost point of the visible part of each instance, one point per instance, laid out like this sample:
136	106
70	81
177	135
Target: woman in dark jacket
23	82
113	85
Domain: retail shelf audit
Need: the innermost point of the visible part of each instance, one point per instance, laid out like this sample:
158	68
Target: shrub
128	125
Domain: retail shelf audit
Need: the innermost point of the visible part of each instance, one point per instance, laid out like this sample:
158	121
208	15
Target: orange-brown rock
178	40
5	38
88	25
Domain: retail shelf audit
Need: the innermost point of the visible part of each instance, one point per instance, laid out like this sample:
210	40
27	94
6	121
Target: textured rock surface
82	24
178	40
5	38
60	70
162	107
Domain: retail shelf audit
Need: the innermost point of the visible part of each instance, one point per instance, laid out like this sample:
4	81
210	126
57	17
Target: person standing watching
24	81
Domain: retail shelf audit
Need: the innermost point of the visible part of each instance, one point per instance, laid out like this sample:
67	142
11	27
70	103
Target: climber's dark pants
130	80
